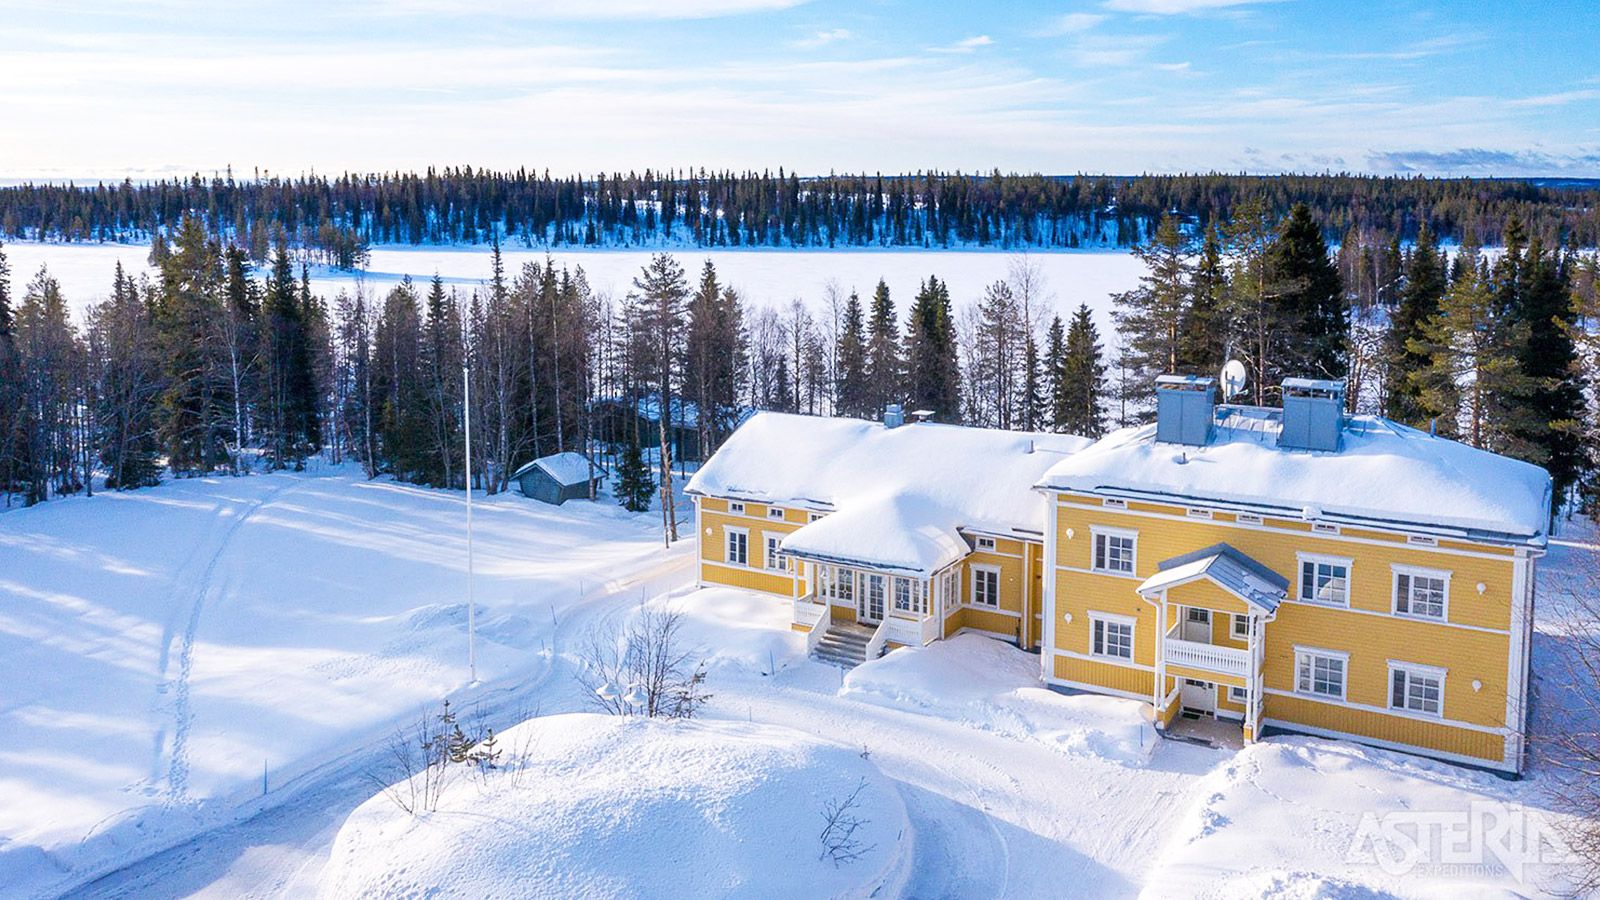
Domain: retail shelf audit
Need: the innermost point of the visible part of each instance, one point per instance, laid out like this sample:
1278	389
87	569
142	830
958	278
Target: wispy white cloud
1115	50
1073	23
1561	98
821	38
1173	67
1176	7
966	45
582	9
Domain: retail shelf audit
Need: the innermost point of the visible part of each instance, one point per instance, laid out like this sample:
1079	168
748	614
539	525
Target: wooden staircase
844	644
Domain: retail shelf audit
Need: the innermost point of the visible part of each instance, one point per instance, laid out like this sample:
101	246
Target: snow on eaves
569	469
1384	475
895	495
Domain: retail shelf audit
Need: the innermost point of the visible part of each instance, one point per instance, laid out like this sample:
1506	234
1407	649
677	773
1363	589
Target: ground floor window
952	589
910	595
1111	636
1418	689
836	583
775	556
738	546
1320	672
1238	694
985	586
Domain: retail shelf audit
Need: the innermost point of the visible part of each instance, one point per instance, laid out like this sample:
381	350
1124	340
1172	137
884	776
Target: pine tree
11	476
851	391
1310	298
125	376
1424	286
1203	343
291	397
197	410
635	488
715	358
1151	317
1034	402
931	370
1081	379
440	362
661	291
884	366
1055	354
1257	327
1549	358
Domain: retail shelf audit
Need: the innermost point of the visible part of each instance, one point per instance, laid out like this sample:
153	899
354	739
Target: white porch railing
808	611
880	636
1206	657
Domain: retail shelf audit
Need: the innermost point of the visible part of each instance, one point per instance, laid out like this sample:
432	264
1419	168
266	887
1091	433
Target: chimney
1184	409
923	415
892	416
1313	414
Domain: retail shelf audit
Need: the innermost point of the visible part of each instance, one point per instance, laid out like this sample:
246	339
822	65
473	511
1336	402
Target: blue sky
95	88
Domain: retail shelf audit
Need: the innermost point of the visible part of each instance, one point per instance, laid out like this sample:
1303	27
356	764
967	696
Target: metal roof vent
893	417
1313	414
1184	409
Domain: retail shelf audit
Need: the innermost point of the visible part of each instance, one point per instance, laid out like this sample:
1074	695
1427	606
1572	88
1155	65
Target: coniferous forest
220	365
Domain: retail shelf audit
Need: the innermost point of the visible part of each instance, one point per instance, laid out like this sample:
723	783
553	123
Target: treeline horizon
336	218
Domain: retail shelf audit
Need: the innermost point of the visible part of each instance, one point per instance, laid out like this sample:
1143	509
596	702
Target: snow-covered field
164	645
765	277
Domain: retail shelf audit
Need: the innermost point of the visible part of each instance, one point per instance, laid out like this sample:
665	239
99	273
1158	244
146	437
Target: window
985	586
1238	694
1111	636
1114	503
815	516
775	512
1323	528
985	543
952	589
775	557
1324	579
908	595
736	507
1241	626
1422	540
1418	689
1423	593
844	585
1193	513
1247	519
738	546
1113	551
1320	672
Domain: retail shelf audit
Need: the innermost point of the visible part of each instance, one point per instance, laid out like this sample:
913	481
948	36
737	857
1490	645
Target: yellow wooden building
1295	569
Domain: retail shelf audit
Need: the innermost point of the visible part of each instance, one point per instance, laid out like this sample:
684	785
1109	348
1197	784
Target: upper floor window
1114	503
736	507
1324	579
985	543
985	586
774	512
1241	626
1424	593
738	546
1320	672
815	516
1114	551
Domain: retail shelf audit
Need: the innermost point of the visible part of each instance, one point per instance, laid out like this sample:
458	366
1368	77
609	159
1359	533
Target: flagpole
472	607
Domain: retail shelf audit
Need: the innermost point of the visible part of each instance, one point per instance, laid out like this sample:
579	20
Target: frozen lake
764	277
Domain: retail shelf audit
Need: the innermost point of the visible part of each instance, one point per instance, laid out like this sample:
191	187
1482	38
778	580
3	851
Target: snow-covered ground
764	277
296	619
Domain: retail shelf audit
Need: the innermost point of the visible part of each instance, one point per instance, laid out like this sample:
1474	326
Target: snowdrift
599	806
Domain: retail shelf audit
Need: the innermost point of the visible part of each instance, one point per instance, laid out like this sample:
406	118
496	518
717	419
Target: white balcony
1205	657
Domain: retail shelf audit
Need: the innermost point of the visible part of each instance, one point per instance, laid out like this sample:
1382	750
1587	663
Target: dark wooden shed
558	477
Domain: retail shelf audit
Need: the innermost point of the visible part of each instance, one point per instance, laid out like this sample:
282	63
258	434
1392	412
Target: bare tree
1573	746
643	668
842	823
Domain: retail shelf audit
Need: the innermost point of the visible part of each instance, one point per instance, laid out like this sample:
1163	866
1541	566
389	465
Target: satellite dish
1233	375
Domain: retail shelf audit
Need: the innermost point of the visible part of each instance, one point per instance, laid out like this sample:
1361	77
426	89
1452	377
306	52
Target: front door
1198	696
869	608
1197	625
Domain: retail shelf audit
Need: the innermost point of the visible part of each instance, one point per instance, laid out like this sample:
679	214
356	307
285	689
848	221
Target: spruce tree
884	367
1424	286
852	389
634	485
196	406
932	376
291	396
1081	379
1055	354
1034	402
1151	316
1203	343
1549	358
10	388
1310	297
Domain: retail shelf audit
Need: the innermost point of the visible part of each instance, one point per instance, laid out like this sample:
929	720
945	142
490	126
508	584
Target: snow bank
992	685
742	632
1385	472
627	807
1285	819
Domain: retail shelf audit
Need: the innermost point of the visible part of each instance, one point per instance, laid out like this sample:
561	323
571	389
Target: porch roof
890	532
1226	567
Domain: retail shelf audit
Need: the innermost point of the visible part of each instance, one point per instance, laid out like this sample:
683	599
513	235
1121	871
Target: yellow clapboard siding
1395	729
1117	678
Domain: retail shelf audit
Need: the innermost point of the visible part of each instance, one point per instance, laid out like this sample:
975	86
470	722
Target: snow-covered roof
896	495
569	469
1230	569
1384	475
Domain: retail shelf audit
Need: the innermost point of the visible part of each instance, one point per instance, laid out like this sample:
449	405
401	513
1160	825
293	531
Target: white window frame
916	595
815	516
1322	559
1324	528
772	557
1412	573
1409	671
1243	697
1247	519
728	533
972	592
1114	503
1098	622
736	507
984	543
1303	655
1238	620
775	512
1197	513
1096	532
1422	540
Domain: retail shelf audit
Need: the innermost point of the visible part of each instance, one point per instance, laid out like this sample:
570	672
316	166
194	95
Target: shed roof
568	468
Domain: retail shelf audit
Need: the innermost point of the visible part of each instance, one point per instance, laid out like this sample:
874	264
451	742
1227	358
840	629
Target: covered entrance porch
1212	607
883	607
